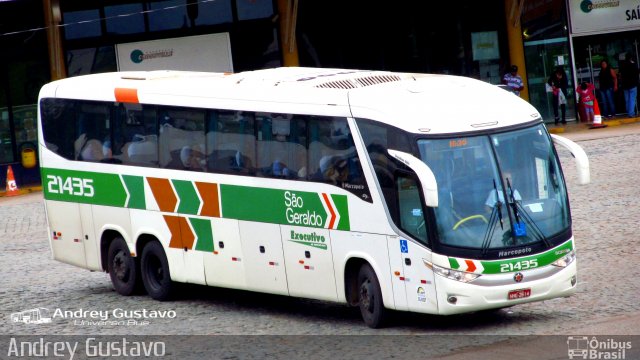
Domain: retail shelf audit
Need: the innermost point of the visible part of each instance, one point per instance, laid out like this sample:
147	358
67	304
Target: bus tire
154	268
370	298
122	267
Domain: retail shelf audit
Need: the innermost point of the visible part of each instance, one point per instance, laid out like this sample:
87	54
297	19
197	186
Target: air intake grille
359	82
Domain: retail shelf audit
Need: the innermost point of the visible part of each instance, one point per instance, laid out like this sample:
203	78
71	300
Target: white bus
412	192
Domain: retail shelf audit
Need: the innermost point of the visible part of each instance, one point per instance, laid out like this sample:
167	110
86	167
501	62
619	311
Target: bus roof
418	103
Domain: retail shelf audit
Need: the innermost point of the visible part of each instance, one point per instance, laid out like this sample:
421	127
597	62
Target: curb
24	190
585	126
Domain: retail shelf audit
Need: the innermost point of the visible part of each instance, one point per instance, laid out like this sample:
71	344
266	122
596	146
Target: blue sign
520	229
404	247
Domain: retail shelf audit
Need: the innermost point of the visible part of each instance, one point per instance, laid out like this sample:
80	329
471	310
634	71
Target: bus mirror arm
424	173
582	161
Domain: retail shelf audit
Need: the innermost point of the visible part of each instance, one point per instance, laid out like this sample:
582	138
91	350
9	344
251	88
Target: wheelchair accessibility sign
404	247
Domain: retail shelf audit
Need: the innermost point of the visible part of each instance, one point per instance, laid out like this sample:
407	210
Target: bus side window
333	158
181	139
280	150
93	142
231	142
411	216
137	139
58	125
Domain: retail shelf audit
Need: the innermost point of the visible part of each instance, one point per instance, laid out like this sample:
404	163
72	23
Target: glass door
591	50
542	58
6	142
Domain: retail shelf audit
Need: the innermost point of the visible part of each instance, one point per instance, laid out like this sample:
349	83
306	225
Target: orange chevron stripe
181	235
471	267
187	235
173	222
331	210
209	194
163	193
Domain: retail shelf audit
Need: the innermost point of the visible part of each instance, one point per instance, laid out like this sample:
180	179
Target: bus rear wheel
122	267
155	271
370	298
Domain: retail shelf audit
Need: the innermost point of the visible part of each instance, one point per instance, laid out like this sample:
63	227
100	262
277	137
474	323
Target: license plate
519	294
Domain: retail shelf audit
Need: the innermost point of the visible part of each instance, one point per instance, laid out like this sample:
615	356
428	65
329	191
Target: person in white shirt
513	80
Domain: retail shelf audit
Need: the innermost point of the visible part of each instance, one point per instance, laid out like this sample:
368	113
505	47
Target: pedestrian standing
558	82
586	96
629	83
608	86
513	80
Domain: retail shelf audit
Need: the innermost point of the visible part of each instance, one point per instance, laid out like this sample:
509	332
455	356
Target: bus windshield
497	191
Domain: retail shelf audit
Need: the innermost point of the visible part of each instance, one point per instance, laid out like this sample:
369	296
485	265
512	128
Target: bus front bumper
455	297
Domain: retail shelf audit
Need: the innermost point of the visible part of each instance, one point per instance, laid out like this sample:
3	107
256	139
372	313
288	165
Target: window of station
82	24
254	9
176	14
124	19
6	147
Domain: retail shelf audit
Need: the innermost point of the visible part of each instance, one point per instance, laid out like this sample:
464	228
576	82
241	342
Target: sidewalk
577	131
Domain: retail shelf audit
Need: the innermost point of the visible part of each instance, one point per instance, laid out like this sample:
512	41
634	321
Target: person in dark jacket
608	86
629	83
559	84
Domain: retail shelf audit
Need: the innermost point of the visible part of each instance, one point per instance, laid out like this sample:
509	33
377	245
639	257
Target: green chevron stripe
135	186
188	197
342	208
204	234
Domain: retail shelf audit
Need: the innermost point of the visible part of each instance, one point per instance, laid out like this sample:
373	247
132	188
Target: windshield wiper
536	230
512	202
496	213
518	212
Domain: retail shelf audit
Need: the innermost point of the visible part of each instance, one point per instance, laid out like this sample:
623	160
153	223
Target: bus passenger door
418	278
66	232
309	261
397	272
263	258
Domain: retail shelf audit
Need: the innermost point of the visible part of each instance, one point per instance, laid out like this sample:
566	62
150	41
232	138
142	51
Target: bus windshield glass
497	191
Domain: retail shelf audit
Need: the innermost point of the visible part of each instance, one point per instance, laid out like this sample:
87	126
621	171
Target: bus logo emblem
518	277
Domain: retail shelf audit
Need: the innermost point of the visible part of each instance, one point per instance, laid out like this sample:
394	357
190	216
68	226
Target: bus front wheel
122	267
370	298
155	271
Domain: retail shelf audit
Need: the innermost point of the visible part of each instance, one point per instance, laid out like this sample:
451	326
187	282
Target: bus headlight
565	260
456	275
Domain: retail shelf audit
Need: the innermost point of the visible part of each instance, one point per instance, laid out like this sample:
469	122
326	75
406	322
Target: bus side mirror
427	179
582	161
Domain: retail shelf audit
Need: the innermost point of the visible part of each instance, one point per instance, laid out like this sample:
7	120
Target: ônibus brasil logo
583	347
137	55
